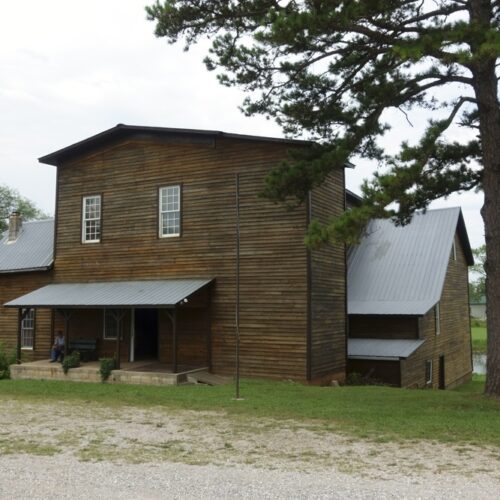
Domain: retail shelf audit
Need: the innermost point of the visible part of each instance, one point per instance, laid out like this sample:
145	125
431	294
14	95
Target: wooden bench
86	347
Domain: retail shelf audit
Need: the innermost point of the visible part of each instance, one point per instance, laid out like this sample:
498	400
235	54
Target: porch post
174	340
66	315
208	338
19	328
118	319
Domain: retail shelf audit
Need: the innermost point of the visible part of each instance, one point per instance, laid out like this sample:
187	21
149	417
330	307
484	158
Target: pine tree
328	69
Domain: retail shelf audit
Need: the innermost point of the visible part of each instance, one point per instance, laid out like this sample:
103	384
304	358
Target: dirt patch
93	433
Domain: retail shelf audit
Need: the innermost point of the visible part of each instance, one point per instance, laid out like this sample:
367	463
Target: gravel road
90	451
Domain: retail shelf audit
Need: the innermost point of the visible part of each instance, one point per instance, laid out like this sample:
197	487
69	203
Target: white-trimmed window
91	219
110	327
28	330
428	372
170	211
437	318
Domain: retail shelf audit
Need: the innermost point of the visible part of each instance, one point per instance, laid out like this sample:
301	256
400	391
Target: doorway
442	384
146	334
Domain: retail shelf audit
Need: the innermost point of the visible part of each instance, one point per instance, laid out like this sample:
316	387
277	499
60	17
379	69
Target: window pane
28	330
170	217
110	326
92	218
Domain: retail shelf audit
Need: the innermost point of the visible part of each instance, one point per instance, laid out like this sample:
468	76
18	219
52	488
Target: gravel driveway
91	451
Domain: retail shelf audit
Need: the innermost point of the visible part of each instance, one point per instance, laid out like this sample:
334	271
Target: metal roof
387	349
401	269
33	250
117	294
122	131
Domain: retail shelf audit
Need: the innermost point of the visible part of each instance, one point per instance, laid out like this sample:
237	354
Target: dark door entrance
146	334
441	372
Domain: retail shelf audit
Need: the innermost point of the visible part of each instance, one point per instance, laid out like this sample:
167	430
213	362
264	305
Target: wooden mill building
141	258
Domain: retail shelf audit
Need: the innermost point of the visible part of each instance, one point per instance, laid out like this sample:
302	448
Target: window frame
428	365
437	318
161	212
84	220
24	328
104	335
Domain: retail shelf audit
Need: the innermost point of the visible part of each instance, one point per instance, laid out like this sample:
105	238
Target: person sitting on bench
58	348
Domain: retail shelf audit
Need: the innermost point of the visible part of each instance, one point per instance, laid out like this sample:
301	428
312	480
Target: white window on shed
437	318
428	372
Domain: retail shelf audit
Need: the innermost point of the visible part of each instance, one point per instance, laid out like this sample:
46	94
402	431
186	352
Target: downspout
346	310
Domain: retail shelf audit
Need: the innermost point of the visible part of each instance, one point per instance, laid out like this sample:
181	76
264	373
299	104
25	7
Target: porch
167	322
138	372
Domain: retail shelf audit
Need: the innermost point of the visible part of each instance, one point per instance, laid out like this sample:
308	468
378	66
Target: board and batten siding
13	285
328	286
273	262
453	341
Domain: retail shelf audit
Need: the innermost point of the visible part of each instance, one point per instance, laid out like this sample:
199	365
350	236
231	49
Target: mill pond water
479	363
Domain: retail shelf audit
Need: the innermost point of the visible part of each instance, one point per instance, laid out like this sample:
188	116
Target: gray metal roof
121	131
111	294
32	251
401	269
388	349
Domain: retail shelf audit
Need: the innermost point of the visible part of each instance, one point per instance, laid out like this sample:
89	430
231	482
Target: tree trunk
485	87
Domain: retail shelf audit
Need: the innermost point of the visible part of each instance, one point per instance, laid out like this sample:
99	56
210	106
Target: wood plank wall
328	281
454	341
383	327
13	286
273	257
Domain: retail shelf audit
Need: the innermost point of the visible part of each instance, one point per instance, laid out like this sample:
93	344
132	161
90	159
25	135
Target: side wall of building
327	283
383	327
273	259
13	285
453	342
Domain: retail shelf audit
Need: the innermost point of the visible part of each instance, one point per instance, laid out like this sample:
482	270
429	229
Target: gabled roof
401	269
32	251
122	131
119	294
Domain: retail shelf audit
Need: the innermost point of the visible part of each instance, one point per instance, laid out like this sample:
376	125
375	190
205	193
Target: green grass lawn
479	339
380	413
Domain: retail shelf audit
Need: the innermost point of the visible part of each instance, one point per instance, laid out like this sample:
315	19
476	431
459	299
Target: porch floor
137	372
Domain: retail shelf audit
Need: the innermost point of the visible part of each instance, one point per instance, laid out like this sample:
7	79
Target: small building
408	302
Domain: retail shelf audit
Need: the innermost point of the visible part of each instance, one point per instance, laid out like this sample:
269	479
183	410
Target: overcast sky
73	69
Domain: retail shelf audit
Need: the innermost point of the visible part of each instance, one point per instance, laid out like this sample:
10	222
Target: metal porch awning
382	349
119	294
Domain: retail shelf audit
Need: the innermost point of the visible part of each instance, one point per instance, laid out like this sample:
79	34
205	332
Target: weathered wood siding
273	257
383	327
454	341
328	287
13	286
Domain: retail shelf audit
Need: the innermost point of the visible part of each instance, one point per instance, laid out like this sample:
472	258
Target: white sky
73	69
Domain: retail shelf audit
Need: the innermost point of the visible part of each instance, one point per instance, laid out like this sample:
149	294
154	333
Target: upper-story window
91	215
170	211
